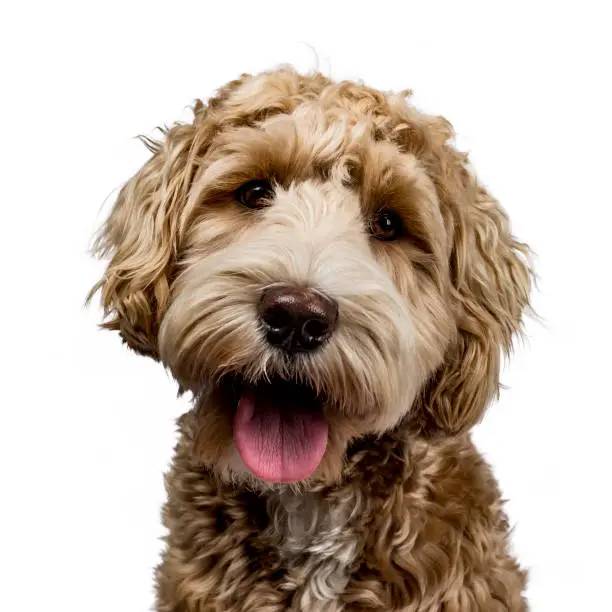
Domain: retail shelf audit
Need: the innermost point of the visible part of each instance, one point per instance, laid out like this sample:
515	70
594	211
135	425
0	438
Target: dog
321	269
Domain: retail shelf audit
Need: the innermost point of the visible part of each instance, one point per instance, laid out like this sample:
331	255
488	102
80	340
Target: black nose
297	319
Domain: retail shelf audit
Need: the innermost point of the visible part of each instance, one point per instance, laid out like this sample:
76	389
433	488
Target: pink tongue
279	441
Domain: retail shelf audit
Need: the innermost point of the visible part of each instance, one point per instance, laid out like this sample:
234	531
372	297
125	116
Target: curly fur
402	513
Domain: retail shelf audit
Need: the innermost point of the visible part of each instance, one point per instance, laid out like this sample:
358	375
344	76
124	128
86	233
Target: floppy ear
490	285
141	234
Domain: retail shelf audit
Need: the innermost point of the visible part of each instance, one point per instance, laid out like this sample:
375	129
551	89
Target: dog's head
315	262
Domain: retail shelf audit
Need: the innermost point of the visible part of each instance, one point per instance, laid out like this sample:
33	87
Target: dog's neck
316	516
316	532
306	539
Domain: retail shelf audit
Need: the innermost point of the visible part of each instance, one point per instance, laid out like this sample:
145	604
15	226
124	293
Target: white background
86	427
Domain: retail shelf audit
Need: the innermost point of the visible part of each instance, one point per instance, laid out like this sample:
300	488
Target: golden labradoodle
322	270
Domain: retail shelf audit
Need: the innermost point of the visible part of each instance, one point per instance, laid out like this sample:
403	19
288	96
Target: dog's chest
317	543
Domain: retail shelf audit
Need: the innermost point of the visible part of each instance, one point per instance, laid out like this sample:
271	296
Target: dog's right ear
141	235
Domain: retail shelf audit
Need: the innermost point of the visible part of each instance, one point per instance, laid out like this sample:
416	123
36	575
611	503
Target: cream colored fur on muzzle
312	236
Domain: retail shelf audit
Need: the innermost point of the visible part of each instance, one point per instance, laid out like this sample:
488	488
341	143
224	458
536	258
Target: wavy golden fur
402	513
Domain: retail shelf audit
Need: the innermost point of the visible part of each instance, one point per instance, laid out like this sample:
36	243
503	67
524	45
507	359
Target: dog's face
315	263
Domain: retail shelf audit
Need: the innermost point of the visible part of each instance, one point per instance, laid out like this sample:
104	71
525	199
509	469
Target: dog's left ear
489	292
141	235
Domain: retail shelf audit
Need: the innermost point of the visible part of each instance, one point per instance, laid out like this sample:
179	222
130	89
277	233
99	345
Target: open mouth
279	429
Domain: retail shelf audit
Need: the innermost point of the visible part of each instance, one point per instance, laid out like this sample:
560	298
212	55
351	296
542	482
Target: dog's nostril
297	319
314	329
277	318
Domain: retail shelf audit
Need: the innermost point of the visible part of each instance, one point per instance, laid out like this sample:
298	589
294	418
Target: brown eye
386	225
254	194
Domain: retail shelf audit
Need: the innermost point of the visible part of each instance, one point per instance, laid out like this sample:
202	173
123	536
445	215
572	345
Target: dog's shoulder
440	537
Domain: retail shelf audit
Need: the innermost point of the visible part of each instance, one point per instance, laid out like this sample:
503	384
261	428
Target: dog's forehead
324	132
385	115
312	121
